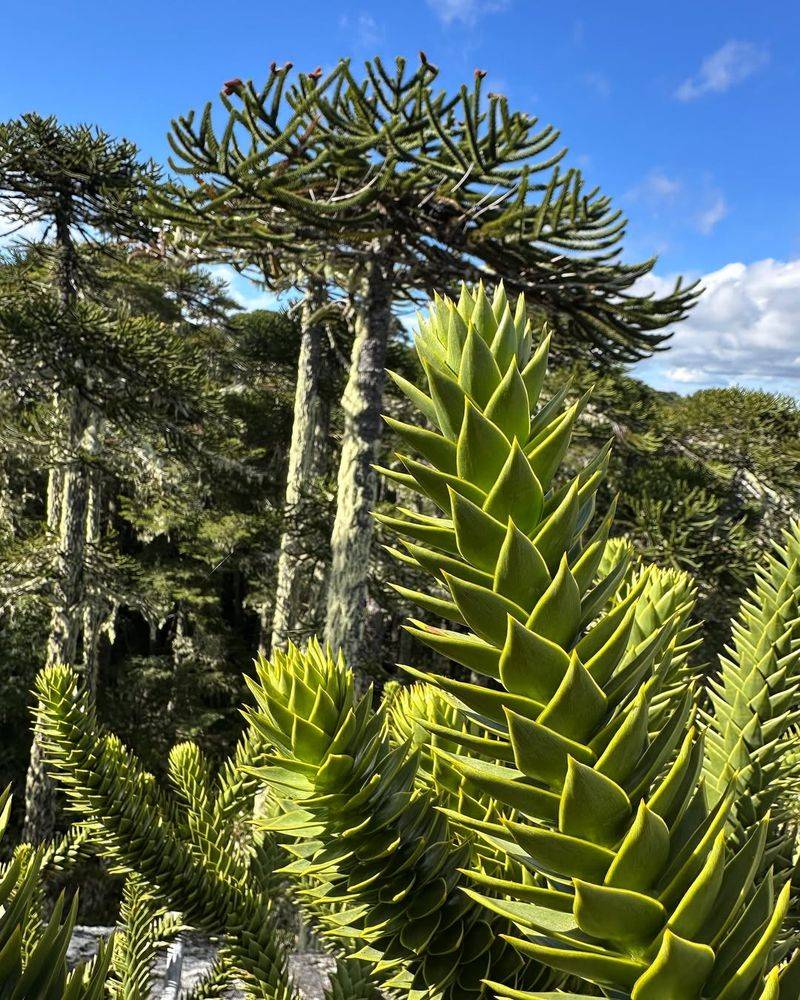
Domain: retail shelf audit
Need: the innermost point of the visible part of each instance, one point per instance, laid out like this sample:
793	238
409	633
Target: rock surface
310	971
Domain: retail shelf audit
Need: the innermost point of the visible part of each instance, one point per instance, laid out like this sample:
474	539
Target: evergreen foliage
576	795
642	876
320	167
33	954
754	718
705	481
545	832
144	926
362	834
95	365
373	191
205	869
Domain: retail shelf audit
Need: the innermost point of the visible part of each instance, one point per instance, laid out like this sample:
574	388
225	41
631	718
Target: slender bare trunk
264	628
317	589
54	484
96	608
69	507
66	514
95	617
300	473
181	654
351	537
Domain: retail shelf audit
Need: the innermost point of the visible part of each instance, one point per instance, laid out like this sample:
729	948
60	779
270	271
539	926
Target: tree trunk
307	413
96	608
351	537
317	584
54	483
68	510
264	628
66	516
181	655
96	617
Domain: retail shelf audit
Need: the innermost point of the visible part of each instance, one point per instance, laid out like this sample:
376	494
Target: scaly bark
316	593
54	484
308	411
67	503
351	537
181	654
96	609
66	615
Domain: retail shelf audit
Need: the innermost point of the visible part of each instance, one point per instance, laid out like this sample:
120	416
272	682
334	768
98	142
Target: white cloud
468	12
708	218
685	376
656	188
599	83
732	63
678	203
744	330
364	27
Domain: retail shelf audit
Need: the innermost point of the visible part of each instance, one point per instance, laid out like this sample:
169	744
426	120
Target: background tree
94	353
400	188
699	491
274	147
71	181
601	864
186	561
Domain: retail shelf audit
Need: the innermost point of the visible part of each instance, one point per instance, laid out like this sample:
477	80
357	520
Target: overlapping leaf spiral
33	954
379	864
754	701
140	829
642	891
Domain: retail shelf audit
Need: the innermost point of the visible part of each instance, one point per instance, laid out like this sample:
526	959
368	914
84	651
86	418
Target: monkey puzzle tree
71	181
396	188
93	355
250	224
546	834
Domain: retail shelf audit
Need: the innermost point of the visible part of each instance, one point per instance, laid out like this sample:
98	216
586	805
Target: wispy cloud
707	218
364	28
599	83
732	63
655	189
678	203
744	330
467	12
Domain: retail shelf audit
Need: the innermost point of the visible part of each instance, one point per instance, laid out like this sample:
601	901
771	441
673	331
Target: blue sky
686	113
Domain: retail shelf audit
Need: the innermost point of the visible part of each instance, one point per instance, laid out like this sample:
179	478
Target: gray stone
310	971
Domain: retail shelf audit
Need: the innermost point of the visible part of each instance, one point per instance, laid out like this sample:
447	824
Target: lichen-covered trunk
97	609
182	654
302	462
67	517
351	537
316	592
